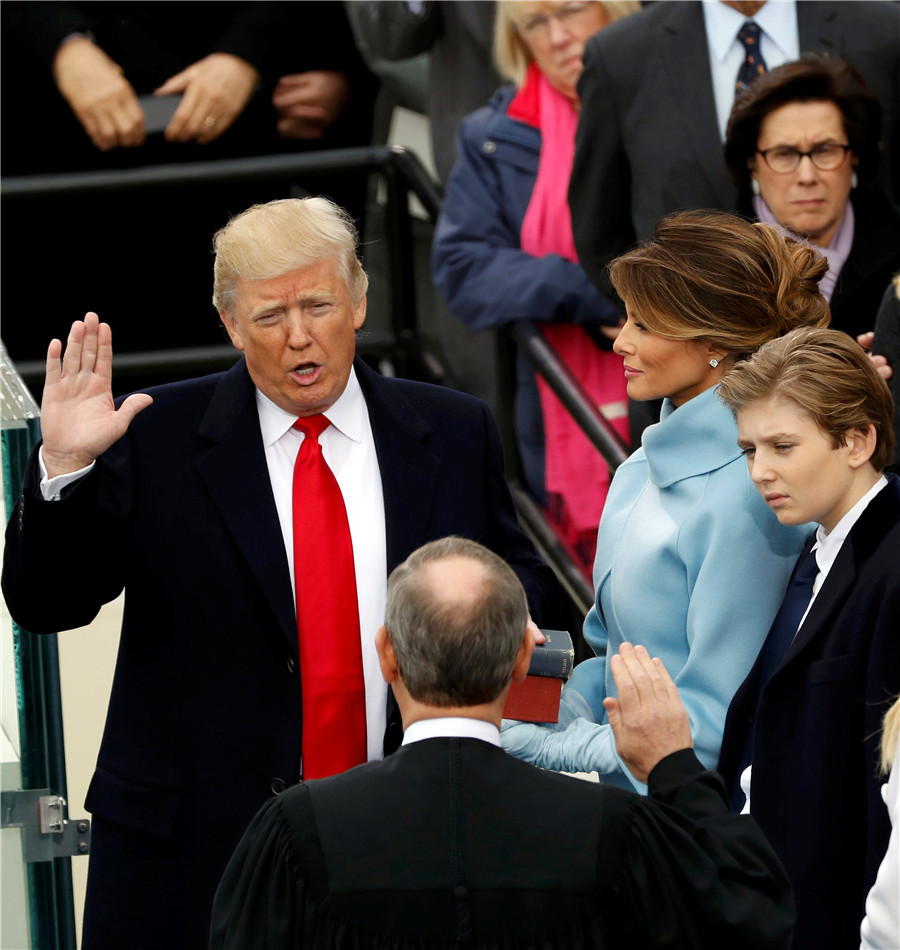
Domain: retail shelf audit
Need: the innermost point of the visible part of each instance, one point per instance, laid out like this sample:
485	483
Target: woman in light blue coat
690	561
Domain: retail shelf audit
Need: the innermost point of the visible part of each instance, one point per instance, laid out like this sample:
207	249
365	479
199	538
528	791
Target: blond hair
270	239
890	736
714	277
511	53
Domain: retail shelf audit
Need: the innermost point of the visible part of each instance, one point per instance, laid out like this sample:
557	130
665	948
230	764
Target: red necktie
331	672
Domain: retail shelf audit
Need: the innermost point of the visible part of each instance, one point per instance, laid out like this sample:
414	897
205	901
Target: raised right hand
79	420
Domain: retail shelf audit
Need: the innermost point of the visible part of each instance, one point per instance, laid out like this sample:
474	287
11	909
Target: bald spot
454	580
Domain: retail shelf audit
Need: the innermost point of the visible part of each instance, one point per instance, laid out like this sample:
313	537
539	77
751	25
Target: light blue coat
692	564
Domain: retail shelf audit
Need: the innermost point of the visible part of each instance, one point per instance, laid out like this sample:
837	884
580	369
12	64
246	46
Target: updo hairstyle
714	277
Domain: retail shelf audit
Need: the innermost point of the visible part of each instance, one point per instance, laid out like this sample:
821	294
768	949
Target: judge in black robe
451	842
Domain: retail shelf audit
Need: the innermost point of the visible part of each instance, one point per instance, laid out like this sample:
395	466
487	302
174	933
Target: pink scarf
574	469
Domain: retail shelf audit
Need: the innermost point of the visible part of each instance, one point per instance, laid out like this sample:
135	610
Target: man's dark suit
204	717
816	790
451	838
648	140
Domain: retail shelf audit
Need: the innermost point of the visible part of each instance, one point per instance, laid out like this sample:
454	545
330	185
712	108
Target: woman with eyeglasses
503	250
803	144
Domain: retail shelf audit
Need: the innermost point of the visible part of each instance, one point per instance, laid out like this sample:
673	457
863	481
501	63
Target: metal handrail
571	393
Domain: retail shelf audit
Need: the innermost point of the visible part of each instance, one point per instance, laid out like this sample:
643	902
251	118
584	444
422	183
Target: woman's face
656	367
807	200
555	34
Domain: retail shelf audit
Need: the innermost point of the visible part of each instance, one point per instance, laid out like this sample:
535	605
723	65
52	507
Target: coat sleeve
478	265
64	559
695	875
600	189
263	899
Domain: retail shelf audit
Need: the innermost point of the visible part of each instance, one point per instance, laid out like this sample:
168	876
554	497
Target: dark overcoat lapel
234	461
409	470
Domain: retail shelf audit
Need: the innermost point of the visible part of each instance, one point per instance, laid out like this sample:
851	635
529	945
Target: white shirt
348	447
453	726
826	551
779	43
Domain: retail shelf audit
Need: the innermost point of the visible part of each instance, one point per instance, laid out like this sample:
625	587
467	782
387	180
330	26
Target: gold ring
209	121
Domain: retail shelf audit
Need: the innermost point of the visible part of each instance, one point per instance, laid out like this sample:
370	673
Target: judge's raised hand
79	420
216	90
648	719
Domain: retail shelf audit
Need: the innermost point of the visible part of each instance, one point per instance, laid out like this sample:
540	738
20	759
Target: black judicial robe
451	842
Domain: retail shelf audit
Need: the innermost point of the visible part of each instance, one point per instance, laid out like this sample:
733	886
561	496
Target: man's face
297	332
800	474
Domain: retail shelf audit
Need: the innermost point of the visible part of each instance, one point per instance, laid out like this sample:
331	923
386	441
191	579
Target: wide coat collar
698	437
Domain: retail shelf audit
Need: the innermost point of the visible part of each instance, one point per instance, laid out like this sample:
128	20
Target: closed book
536	698
554	657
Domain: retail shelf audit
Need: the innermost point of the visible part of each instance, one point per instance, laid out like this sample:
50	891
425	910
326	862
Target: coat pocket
132	804
833	670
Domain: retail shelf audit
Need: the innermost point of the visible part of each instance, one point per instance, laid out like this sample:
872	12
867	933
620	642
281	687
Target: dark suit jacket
816	790
452	838
204	718
648	140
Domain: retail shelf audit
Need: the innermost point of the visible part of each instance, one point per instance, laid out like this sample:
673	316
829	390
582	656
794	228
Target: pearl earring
713	362
854	180
754	186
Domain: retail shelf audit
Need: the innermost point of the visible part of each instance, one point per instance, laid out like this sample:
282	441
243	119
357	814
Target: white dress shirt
348	447
826	551
779	43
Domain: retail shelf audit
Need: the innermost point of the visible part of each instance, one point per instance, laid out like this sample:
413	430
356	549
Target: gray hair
271	239
451	650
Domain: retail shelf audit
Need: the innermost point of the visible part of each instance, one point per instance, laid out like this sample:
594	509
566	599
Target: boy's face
795	466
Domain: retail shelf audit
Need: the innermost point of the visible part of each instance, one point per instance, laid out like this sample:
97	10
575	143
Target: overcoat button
278	786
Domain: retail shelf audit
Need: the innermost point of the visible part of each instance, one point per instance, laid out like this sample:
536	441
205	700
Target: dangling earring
754	186
713	362
854	180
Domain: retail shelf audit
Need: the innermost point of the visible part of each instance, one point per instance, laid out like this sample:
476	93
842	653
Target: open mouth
306	372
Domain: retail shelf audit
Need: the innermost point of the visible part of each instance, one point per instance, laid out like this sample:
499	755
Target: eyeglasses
539	24
785	158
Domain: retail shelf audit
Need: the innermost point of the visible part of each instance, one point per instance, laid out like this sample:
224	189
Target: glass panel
41	913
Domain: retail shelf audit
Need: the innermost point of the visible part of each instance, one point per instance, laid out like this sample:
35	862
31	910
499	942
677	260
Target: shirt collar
777	19
346	414
828	544
453	726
